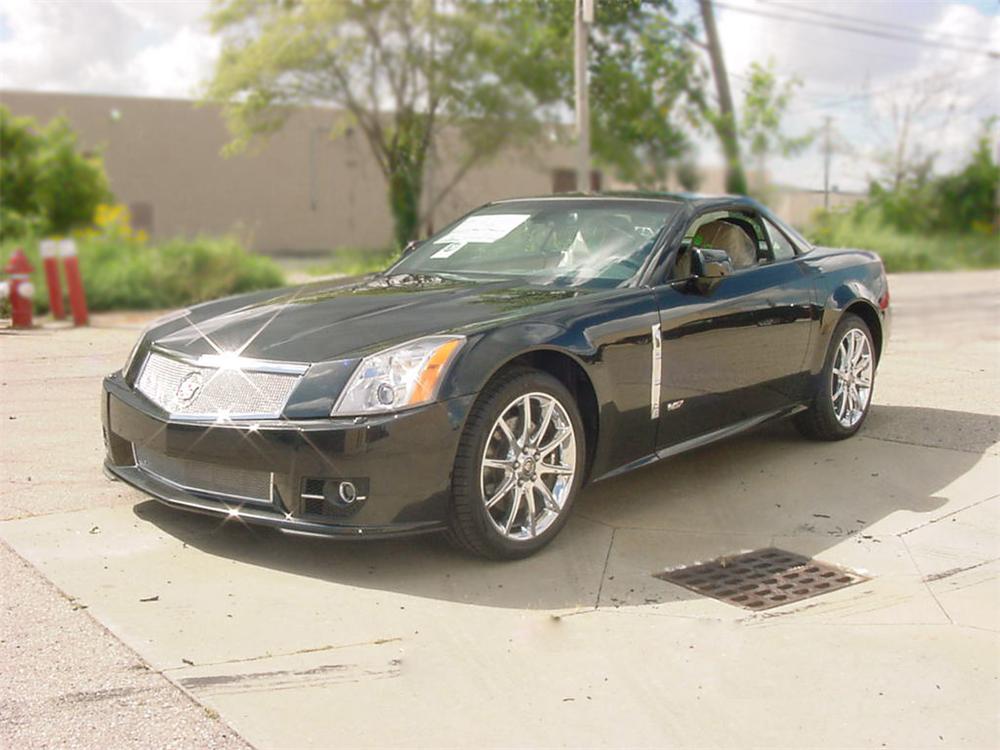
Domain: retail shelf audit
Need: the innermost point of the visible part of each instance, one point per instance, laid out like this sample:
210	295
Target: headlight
168	318
398	378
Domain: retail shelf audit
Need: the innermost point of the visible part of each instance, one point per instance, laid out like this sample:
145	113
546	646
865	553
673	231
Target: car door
733	349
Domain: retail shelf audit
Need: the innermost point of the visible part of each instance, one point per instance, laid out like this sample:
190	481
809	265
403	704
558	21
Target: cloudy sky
164	49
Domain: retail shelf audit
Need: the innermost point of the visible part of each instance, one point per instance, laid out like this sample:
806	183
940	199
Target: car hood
326	321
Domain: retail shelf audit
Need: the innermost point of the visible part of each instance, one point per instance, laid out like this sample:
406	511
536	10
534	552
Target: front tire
519	466
844	391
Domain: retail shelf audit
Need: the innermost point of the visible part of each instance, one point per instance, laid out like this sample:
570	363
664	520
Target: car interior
610	244
727	233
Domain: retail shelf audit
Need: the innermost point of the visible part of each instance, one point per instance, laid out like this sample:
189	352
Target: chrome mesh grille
187	389
197	476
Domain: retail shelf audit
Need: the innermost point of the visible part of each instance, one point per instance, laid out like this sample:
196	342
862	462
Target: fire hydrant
19	289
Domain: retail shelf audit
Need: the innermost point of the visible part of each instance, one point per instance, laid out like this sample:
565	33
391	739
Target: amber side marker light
428	380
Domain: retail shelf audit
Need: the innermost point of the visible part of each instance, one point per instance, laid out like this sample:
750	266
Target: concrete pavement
303	642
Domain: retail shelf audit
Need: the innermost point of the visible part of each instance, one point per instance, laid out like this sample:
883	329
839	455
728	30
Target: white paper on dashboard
488	228
448	250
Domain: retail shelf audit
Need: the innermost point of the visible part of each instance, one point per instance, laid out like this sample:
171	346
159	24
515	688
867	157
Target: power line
924	41
940	76
858	21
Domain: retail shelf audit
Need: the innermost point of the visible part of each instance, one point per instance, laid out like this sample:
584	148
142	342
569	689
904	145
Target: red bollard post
20	288
50	260
77	299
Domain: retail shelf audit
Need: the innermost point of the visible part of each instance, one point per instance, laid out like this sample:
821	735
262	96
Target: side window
737	234
780	246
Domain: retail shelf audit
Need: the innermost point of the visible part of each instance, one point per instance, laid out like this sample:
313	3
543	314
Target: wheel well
568	372
867	313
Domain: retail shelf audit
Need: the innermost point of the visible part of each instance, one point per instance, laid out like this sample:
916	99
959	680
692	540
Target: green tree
641	67
722	116
47	186
20	211
968	199
960	202
72	184
493	73
765	105
403	71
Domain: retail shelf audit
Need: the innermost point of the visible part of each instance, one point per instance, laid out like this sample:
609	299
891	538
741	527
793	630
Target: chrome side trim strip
247	364
656	373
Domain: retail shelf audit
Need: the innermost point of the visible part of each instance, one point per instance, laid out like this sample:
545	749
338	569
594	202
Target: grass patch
122	274
903	251
354	261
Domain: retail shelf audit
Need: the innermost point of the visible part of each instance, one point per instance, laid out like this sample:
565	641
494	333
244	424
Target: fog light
335	496
348	492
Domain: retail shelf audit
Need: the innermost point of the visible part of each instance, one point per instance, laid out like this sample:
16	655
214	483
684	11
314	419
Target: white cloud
163	48
114	47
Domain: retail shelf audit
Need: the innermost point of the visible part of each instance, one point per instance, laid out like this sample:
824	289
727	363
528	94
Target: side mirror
710	263
411	246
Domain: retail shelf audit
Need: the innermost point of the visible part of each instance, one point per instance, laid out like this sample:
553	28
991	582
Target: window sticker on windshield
448	250
483	228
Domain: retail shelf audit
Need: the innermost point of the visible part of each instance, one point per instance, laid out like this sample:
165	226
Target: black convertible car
477	384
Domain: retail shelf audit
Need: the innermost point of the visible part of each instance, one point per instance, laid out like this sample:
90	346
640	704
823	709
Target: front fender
609	343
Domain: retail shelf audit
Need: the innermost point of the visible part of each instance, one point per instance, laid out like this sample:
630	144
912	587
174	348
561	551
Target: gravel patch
66	682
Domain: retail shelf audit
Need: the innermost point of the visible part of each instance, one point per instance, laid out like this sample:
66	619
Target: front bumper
401	465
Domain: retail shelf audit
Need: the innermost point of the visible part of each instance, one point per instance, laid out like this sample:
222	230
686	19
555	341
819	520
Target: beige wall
798	207
299	191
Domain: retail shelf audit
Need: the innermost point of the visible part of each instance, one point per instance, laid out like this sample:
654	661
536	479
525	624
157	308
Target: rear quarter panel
846	278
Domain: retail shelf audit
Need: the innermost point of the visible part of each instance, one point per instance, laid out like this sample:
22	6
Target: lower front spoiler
258	514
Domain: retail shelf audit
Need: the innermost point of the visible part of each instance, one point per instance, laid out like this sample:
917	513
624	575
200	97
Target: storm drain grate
762	579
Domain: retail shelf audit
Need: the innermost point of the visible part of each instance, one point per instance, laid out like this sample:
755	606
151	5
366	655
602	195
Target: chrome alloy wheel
528	466
851	384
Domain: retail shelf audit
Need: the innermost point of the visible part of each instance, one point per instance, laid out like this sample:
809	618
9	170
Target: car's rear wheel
844	391
519	465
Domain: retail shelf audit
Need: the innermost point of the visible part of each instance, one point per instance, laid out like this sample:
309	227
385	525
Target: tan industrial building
302	190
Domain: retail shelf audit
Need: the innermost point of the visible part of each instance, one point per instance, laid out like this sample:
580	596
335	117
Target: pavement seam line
604	570
926	445
923	580
210	714
948	515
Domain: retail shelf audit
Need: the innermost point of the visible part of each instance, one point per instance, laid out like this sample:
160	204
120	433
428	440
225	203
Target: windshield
550	242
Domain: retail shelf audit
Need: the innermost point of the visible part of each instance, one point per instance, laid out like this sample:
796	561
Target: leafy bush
48	186
355	261
907	251
959	203
926	223
127	274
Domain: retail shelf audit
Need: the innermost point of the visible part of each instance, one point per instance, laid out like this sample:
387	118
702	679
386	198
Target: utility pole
736	181
827	155
584	16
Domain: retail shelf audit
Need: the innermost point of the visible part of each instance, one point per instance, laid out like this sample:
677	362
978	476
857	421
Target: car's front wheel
519	465
844	389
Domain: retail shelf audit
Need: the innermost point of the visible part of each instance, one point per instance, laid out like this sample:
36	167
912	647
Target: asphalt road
125	624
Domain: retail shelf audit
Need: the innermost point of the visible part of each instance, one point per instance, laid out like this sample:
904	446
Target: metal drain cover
762	579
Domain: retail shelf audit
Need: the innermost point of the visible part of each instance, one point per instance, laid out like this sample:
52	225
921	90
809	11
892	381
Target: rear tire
512	486
845	386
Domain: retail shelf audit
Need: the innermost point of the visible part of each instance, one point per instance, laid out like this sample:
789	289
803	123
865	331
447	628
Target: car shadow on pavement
761	489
